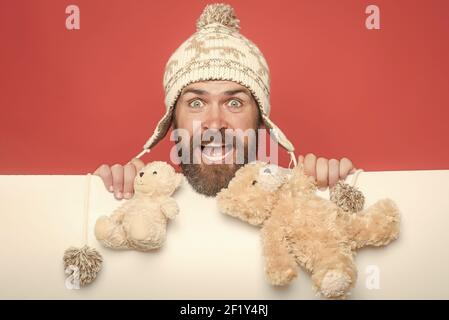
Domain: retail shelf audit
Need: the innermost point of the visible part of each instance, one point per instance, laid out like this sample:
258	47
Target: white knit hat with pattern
217	51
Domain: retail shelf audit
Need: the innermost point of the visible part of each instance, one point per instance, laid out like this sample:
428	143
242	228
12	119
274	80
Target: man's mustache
223	136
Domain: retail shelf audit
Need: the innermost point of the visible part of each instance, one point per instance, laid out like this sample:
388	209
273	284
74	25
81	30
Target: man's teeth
216	152
213	145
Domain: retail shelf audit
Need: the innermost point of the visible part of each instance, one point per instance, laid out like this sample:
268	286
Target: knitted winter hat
217	51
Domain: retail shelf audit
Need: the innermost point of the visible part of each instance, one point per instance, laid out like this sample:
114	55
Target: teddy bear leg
144	234
109	233
375	226
280	264
334	274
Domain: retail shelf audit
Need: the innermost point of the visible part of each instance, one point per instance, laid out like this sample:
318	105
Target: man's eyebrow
195	91
228	92
232	92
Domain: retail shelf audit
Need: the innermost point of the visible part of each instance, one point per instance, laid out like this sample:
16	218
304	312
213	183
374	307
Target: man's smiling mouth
216	153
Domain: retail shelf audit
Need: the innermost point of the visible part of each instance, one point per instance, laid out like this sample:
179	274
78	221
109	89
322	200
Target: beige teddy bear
140	223
299	227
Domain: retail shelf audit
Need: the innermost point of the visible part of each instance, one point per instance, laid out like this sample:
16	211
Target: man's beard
209	179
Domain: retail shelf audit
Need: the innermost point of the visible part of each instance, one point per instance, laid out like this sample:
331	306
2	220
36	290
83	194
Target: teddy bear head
253	192
157	178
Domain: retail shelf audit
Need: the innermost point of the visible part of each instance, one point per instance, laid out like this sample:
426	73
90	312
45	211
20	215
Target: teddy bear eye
141	174
154	172
254	182
267	170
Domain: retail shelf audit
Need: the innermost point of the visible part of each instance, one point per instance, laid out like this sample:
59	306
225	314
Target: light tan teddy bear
140	223
299	227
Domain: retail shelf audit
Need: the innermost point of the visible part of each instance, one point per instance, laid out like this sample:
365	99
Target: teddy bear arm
375	226
170	208
280	264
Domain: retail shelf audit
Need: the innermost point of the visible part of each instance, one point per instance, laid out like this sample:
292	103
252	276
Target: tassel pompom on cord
83	263
347	196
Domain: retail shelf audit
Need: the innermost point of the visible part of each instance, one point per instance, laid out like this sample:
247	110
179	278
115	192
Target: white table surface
209	255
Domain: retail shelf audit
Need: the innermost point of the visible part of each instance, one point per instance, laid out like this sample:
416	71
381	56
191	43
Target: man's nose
214	118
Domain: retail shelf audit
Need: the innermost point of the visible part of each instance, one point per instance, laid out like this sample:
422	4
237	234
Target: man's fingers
117	180
300	159
322	172
334	172
104	172
345	167
128	180
310	165
120	179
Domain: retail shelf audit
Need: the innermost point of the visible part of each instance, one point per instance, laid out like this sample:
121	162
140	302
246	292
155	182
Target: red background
71	100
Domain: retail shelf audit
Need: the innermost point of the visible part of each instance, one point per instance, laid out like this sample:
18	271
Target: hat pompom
347	197
86	261
218	13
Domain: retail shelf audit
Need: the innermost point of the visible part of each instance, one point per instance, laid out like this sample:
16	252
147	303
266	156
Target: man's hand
326	172
120	179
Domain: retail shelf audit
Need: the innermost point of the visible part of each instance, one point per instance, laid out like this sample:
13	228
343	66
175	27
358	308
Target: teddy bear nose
141	174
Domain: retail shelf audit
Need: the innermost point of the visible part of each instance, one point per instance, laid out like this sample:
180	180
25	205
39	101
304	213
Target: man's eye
235	103
196	104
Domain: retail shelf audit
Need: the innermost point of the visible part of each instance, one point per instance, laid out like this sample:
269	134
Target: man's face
217	106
